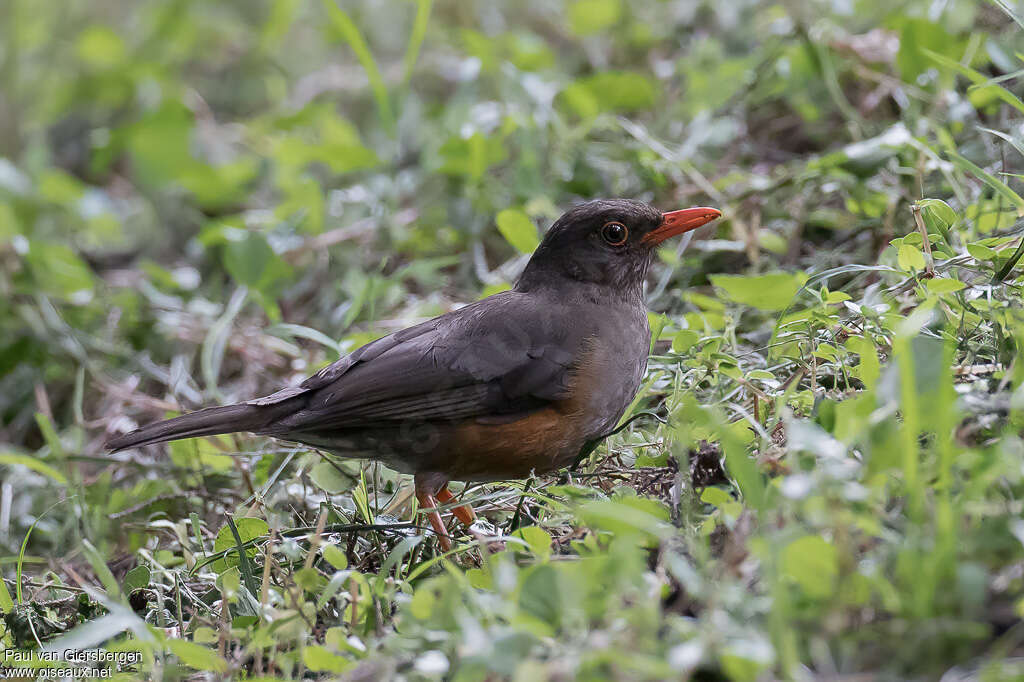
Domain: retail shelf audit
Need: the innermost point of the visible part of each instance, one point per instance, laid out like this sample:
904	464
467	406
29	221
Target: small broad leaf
197	656
471	156
320	659
812	563
981	252
910	257
538	540
938	215
610	91
248	529
868	368
252	262
58	271
518	230
773	291
684	340
11	458
326	475
136	578
943	285
627	516
334	556
542	594
587	17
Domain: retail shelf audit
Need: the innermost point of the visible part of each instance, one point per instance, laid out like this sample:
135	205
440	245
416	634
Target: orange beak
678	222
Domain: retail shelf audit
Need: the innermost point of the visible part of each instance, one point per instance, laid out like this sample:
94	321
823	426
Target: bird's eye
615	233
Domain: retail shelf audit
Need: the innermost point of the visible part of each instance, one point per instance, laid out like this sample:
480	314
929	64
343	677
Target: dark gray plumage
514	383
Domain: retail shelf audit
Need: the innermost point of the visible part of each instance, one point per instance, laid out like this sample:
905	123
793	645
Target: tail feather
209	422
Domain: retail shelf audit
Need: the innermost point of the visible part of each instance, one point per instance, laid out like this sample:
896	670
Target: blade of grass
347	29
998	133
975	77
24	546
989	179
416	36
212	354
1003	5
34	464
102	570
1008	266
6	603
243	558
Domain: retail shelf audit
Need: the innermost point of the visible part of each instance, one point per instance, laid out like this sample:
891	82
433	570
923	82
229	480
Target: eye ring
615	233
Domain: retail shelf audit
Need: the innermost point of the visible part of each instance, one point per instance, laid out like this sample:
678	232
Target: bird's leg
425	493
463	512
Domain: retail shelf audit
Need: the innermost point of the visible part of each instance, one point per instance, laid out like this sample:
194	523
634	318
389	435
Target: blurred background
202	201
353	168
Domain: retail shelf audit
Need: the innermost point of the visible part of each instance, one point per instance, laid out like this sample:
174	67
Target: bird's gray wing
505	357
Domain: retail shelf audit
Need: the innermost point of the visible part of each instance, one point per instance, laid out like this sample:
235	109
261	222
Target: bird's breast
605	379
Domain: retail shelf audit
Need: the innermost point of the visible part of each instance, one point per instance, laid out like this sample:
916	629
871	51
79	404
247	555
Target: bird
515	384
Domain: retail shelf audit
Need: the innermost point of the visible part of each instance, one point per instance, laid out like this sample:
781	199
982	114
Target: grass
824	472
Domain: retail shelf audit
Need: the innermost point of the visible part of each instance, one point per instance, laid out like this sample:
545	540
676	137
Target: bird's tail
208	422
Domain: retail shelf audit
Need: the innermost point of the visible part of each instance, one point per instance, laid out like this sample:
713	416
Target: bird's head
608	243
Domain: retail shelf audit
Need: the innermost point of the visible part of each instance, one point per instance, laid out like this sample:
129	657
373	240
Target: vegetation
200	202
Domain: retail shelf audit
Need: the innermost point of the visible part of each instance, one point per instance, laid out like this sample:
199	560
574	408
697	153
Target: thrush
515	384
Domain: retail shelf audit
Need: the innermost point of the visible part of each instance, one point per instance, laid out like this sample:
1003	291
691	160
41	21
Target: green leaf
100	568
542	594
471	156
916	36
587	17
252	263
773	291
326	475
9	223
684	340
57	271
518	230
981	252
136	578
744	660
401	550
31	462
742	467
100	47
813	564
345	28
537	539
910	257
995	183
610	91
201	453
627	516
938	215
976	77
320	659
334	556
868	367
943	285
248	529
197	656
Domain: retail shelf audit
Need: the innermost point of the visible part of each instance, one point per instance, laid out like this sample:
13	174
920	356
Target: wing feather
483	361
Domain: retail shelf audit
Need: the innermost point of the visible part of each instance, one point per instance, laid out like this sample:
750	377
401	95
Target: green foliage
203	202
518	229
772	291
